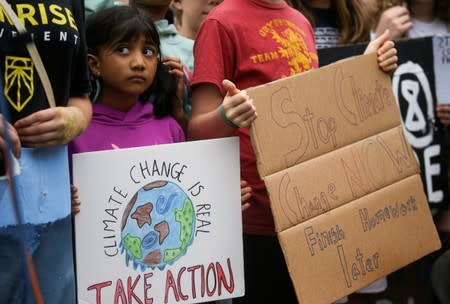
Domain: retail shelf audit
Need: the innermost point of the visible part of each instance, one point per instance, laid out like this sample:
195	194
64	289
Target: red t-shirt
251	42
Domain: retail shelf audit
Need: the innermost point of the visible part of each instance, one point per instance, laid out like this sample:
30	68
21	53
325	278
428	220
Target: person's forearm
81	108
208	125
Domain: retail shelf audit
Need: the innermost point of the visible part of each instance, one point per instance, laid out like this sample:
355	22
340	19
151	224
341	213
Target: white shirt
423	29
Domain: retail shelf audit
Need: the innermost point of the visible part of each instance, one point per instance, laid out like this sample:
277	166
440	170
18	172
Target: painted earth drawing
158	226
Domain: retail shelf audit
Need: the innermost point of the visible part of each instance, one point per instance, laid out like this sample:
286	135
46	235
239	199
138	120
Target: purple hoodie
136	128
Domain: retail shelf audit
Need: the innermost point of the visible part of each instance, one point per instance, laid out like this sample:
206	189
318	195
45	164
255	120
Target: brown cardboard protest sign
351	172
319	111
347	200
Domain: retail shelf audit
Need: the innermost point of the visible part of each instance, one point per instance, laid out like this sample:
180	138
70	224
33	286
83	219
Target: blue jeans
51	248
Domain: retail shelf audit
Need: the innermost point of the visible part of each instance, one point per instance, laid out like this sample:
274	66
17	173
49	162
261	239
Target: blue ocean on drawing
158	226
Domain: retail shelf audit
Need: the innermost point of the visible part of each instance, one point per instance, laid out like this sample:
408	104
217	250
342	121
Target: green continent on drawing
133	244
185	218
159	226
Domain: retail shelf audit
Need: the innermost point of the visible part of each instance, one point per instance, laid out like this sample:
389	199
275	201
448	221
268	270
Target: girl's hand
246	194
176	69
443	113
395	19
386	52
50	127
238	108
12	135
75	200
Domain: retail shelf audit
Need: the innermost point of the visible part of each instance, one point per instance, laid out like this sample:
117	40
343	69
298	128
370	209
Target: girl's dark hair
352	17
123	24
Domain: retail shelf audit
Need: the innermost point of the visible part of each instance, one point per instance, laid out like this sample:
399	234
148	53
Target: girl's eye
123	50
149	52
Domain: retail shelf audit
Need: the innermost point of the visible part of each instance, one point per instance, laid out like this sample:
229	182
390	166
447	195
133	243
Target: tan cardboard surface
348	203
319	111
339	177
335	254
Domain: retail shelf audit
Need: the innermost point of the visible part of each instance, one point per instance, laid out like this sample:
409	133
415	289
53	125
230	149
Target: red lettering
170	283
182	296
193	269
208	271
223	280
147	286
98	287
203	287
130	289
120	293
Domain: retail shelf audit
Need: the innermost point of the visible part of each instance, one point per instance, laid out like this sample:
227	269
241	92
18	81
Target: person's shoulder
298	17
225	9
296	13
226	14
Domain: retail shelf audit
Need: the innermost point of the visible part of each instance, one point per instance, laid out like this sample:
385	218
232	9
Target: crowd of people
146	72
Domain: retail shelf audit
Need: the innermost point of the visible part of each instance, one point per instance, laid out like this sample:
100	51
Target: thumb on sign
237	109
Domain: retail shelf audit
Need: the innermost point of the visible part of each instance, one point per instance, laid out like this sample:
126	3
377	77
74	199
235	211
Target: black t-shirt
327	30
58	31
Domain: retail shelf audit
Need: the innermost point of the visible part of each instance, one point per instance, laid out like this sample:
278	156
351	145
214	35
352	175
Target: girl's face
194	11
127	68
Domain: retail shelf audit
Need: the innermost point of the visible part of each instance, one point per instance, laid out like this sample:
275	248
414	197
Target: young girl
137	91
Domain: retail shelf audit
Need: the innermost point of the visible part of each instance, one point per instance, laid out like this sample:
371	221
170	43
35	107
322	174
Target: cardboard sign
159	225
348	203
419	83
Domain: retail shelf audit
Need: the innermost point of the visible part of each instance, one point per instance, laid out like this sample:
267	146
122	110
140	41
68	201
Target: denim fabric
51	248
12	287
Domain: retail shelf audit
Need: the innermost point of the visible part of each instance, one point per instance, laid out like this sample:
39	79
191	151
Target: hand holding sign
237	107
443	113
386	52
246	194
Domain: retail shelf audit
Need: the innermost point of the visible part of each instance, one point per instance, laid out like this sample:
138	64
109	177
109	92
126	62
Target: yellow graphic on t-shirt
294	49
19	83
43	14
292	46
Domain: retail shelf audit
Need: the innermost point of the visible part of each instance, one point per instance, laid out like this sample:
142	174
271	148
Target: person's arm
215	116
55	126
395	19
386	52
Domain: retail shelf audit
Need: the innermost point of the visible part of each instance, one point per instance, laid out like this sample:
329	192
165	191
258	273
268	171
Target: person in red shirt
252	42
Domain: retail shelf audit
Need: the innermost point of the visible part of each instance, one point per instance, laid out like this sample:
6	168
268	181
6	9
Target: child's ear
94	65
177	4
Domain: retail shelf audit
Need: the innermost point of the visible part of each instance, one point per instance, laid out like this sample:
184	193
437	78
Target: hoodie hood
110	129
138	114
